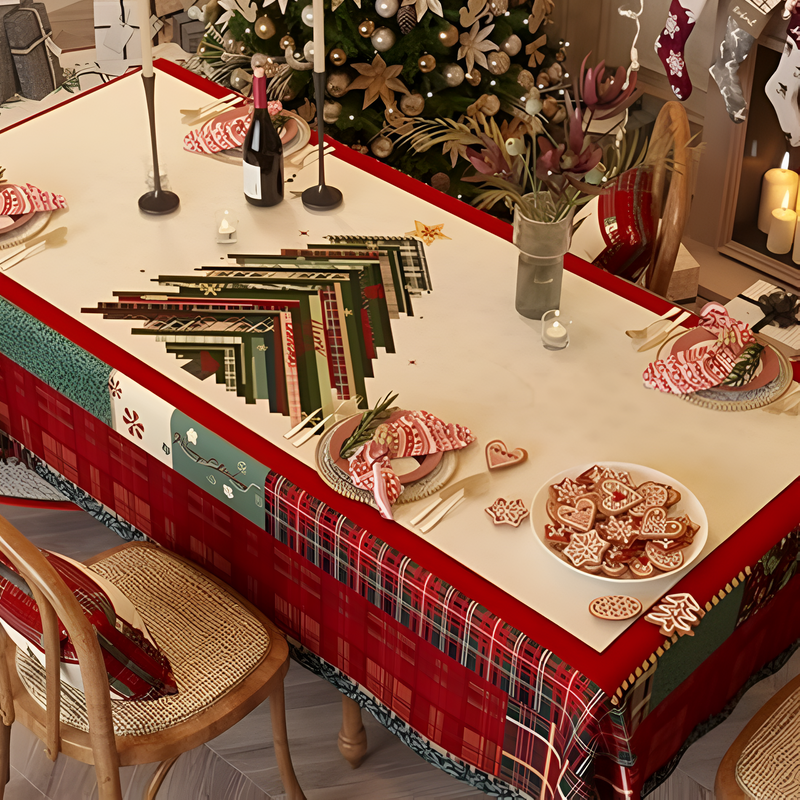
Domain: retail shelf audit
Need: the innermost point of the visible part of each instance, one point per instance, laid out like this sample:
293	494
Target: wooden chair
669	140
766	753
221	677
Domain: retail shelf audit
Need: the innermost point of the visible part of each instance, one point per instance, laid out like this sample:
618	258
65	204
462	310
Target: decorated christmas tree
393	64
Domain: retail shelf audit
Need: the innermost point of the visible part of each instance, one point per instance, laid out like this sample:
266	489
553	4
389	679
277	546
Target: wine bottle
262	151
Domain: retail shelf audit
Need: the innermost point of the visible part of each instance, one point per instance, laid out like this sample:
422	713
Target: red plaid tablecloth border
552	725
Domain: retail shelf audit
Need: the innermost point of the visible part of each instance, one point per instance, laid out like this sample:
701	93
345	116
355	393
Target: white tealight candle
781	228
554	332
147	38
319	36
796	249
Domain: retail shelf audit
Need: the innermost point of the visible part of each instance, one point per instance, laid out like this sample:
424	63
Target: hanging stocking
783	87
671	44
746	20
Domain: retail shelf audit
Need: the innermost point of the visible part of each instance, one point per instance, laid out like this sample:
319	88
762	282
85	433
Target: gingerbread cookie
617	497
586	549
655	525
615	607
666	561
499	456
580	517
676	613
507	512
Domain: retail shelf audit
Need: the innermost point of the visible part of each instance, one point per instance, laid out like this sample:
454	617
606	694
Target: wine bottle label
252	180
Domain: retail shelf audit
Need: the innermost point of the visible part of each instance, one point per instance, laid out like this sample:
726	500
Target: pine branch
370	420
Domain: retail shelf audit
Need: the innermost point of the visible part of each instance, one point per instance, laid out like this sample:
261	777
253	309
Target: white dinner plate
688	504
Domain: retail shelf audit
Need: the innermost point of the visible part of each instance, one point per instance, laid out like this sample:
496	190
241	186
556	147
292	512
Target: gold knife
477	482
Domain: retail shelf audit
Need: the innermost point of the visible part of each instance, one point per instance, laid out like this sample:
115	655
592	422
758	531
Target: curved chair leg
352	736
277	712
5	757
152	788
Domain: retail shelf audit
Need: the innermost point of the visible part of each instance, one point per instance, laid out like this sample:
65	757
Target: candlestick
781	230
320	197
158	201
775	184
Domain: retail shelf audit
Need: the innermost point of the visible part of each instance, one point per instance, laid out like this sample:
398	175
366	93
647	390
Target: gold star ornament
428	233
378	80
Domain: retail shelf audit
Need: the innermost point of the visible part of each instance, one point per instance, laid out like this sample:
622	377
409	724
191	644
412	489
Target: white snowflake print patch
675	63
672	26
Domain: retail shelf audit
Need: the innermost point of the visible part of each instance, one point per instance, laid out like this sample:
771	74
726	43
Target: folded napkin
16	200
707	365
225	132
416	433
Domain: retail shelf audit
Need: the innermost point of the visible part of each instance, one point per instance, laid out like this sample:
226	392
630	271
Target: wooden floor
240	764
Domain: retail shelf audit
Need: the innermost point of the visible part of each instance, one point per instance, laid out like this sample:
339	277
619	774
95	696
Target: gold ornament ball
338	57
498	7
286	41
240	80
229	41
382	147
241	48
426	63
542	80
560	115
412	104
366	28
525	80
449	36
331	112
473	78
499	62
453	75
549	107
512	45
337	83
441	181
265	28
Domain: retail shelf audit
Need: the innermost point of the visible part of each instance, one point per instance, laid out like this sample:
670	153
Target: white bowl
688	504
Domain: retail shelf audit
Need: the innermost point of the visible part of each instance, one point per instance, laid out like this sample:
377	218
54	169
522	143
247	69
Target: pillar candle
781	230
796	249
147	40
775	184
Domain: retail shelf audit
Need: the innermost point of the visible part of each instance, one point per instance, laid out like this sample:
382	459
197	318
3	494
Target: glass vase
540	267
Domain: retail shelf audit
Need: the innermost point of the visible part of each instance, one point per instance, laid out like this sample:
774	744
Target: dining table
471	641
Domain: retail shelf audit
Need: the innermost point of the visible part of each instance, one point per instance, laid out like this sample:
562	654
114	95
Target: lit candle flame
785	203
785	162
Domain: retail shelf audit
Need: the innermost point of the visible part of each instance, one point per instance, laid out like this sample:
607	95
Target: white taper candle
147	38
319	36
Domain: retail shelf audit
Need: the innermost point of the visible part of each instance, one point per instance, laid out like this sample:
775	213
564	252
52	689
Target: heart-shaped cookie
580	517
654	495
666	561
655	525
499	456
617	496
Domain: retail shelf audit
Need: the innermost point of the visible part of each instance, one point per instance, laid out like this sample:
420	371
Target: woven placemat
767	768
211	641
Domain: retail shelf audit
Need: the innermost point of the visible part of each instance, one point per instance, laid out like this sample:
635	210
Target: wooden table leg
5	759
352	736
277	711
152	788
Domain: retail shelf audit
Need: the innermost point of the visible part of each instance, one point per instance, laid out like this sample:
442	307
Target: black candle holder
321	197
159	201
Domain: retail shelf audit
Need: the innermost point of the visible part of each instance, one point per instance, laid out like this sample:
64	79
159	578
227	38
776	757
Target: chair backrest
56	602
670	140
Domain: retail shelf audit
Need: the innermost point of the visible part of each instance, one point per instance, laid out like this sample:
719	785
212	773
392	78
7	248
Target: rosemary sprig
366	428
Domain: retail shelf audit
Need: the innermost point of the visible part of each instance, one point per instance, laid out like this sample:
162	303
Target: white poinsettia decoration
672	26
243	7
675	63
474	43
423	6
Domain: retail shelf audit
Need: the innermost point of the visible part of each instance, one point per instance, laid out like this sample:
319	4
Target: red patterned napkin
416	433
704	366
224	132
17	200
